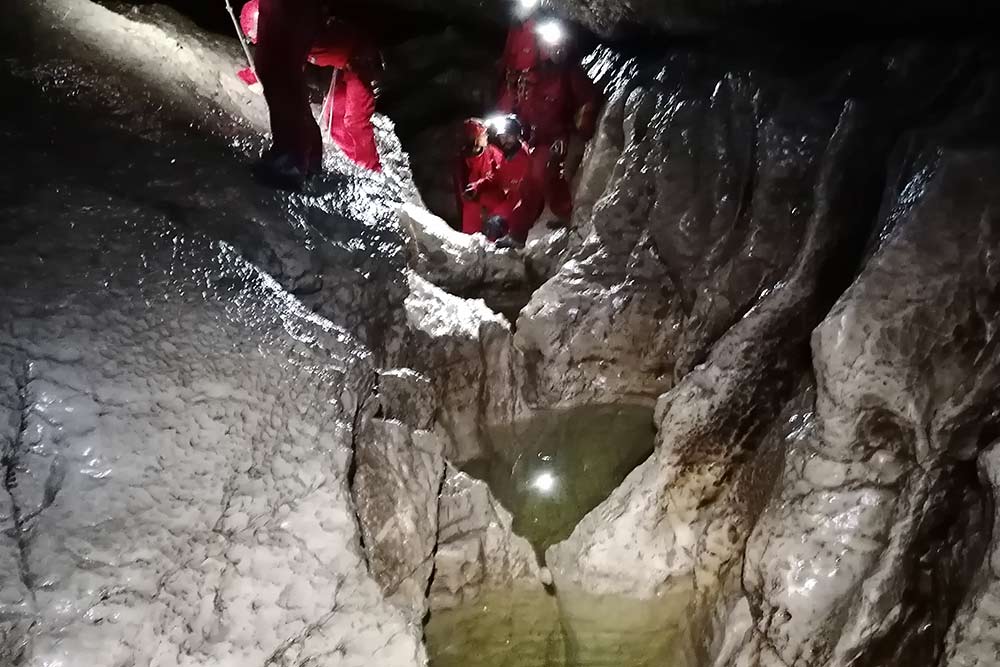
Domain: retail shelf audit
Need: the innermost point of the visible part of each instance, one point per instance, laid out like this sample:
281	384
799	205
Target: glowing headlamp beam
498	124
551	32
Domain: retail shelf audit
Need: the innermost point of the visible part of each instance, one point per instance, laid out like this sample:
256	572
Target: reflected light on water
544	483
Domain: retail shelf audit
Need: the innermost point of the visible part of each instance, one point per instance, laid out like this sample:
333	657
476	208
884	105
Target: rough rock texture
716	416
397	480
465	349
974	638
477	550
176	436
707	207
793	201
185	357
457	262
884	485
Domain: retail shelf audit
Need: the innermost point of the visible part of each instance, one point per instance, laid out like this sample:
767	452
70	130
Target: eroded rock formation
232	419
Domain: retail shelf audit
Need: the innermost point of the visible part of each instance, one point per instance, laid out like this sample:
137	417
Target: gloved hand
559	148
247	76
469	194
495	227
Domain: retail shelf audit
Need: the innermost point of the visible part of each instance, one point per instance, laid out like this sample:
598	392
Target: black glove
495	227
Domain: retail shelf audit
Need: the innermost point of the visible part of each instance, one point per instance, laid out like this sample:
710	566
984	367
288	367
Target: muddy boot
509	242
279	170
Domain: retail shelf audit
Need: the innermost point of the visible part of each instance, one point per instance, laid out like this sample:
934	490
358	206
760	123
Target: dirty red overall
350	102
520	56
481	173
523	199
556	95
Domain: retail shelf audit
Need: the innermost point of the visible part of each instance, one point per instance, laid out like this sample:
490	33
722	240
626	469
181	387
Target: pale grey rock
176	450
398	475
466	351
456	262
407	396
879	525
177	428
974	638
477	549
677	515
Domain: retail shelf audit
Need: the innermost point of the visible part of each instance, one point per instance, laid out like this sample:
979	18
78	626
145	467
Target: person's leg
547	171
557	193
358	132
286	33
472	217
337	106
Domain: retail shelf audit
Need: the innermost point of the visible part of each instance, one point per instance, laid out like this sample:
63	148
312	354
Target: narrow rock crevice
15	448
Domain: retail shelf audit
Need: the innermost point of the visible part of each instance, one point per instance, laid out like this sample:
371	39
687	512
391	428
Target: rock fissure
14	450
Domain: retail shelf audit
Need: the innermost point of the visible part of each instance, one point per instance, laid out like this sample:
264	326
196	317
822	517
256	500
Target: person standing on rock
288	35
520	56
559	104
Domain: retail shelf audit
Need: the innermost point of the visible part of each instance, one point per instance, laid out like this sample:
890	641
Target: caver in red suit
350	102
480	194
523	199
560	102
520	57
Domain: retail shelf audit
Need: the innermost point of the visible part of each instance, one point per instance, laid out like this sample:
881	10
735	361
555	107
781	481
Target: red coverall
520	56
523	199
555	96
349	104
482	173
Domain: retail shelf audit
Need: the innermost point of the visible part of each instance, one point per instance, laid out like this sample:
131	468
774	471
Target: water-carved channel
550	471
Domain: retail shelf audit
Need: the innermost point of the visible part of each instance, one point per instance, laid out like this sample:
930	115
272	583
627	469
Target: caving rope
242	37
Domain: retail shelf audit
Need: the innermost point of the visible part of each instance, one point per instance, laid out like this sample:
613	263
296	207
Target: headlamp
499	124
551	32
527	5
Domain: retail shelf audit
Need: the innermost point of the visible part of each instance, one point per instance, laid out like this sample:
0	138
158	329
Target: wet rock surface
232	420
885	475
398	475
477	549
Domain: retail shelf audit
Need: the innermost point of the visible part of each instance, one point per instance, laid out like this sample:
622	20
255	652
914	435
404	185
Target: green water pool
551	470
531	628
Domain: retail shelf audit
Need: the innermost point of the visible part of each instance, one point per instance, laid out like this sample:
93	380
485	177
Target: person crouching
477	179
523	200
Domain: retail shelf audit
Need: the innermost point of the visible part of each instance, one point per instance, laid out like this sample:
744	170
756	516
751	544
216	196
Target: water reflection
529	628
553	469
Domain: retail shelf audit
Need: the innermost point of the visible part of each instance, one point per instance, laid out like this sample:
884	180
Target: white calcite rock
397	479
477	548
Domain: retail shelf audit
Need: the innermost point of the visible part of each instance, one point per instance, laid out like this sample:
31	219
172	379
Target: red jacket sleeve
247	76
